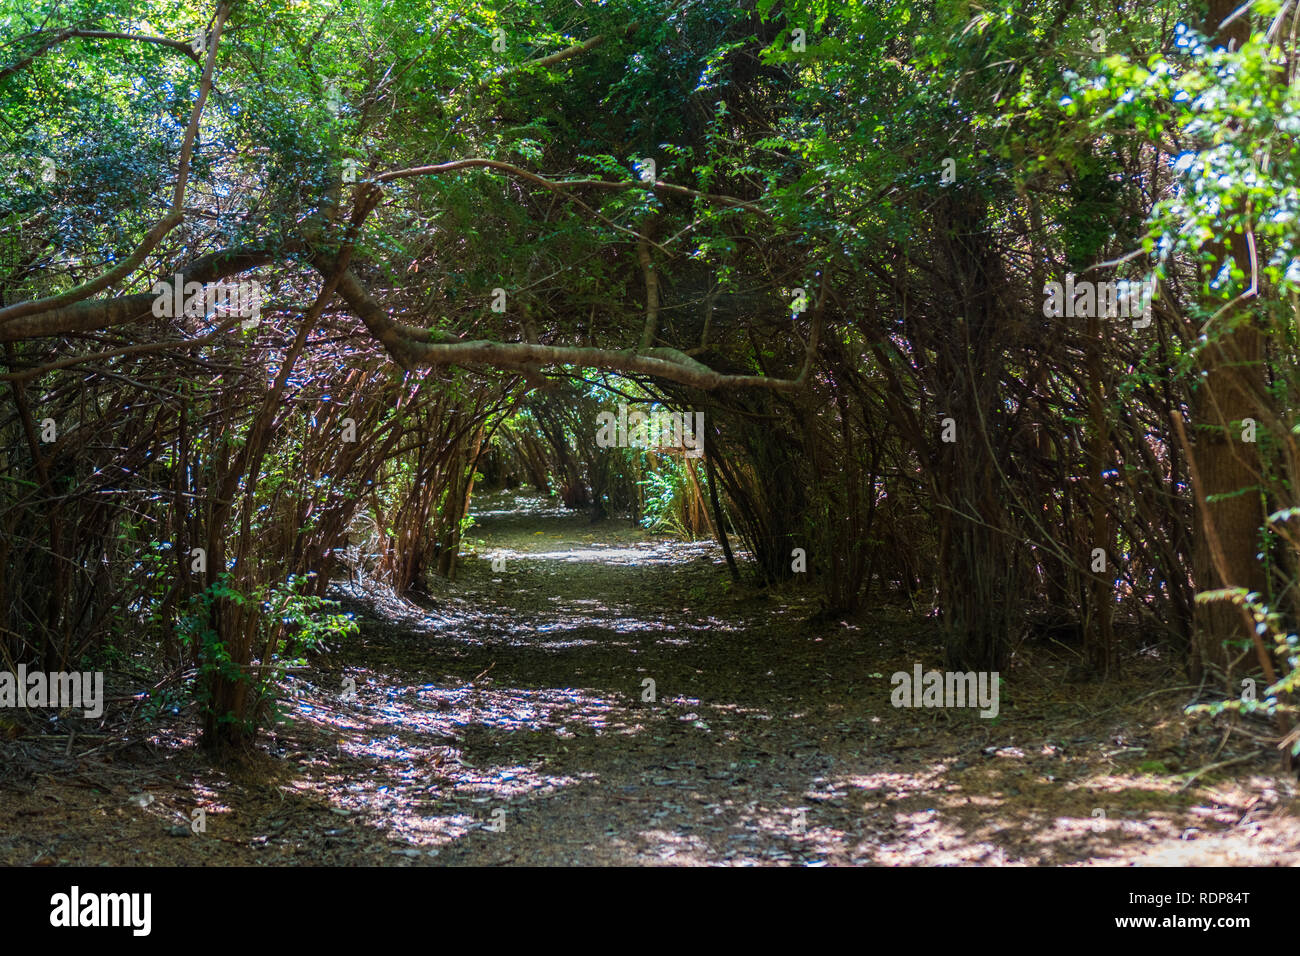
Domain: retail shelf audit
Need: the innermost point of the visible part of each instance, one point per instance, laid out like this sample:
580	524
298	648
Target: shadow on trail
605	697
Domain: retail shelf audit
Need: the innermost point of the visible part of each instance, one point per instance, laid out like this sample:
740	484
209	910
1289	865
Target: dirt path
506	721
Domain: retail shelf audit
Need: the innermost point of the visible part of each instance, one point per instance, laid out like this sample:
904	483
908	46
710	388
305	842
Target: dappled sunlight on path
583	703
610	697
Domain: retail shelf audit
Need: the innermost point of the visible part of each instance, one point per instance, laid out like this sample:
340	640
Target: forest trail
503	720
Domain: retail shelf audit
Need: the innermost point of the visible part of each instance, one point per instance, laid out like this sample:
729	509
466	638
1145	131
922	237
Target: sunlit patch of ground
611	697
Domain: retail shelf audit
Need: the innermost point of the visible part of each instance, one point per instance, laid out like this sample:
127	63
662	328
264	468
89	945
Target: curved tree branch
62	36
563	185
413	347
97	314
155	235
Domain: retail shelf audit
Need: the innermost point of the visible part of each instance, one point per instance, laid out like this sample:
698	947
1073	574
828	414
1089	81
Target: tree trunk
1229	509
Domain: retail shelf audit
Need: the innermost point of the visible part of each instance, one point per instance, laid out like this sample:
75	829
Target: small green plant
665	493
1286	647
168	701
205	644
290	625
308	624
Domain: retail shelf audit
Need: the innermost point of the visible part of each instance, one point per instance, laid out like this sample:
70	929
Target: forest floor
504	720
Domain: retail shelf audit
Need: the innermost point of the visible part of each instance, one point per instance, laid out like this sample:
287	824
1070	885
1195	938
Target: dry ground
502	721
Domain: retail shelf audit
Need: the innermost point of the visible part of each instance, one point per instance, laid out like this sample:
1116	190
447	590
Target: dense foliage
830	227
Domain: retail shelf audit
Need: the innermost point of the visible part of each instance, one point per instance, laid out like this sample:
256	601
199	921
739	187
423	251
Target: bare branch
412	347
64	35
558	57
651	295
563	185
155	235
97	314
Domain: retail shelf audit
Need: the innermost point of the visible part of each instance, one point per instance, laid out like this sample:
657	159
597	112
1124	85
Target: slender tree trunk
1099	641
1229	509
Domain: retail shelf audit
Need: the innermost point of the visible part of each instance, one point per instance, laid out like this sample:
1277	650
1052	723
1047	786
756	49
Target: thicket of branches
829	226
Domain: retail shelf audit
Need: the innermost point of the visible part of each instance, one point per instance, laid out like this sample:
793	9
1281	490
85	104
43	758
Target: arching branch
164	226
413	347
563	185
62	36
